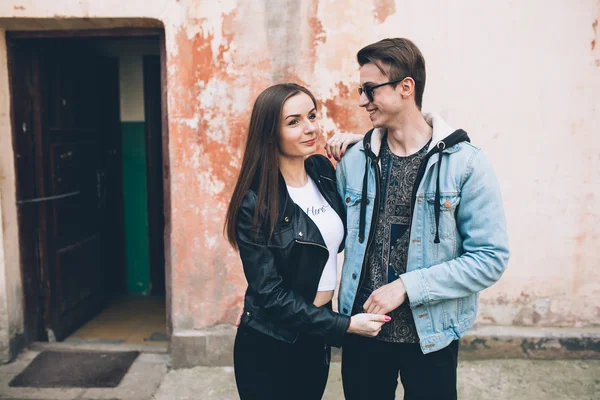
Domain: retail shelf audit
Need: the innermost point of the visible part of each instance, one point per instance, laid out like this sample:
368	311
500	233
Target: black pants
370	370
269	369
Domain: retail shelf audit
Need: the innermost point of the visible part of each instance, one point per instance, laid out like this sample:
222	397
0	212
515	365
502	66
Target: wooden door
76	163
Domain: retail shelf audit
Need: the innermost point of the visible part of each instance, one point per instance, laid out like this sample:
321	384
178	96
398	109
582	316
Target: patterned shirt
388	253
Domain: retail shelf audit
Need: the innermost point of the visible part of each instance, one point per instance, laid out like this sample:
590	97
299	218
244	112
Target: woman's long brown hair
261	162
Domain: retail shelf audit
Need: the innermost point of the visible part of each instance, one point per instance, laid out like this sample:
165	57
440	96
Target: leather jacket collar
322	173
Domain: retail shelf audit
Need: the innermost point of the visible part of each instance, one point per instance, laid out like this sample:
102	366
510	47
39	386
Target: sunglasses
368	89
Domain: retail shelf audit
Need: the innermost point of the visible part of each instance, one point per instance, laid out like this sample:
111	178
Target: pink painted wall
522	79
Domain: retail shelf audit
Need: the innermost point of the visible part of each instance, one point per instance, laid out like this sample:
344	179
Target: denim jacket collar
441	130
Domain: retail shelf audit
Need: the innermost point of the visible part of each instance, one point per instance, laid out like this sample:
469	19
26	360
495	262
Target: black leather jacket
283	273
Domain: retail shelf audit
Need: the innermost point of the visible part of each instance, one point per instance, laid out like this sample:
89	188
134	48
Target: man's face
386	104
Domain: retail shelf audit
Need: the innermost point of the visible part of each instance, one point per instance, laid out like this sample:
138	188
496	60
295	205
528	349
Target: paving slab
477	380
152	378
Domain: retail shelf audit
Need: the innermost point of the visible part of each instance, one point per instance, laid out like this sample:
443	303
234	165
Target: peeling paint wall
4	329
522	78
11	297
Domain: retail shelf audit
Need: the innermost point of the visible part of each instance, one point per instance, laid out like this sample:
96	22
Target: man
425	234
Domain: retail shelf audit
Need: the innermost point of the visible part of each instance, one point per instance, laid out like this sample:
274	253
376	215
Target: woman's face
299	129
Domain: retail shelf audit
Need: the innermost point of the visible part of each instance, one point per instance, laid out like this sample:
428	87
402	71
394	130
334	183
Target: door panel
79	131
25	107
81	275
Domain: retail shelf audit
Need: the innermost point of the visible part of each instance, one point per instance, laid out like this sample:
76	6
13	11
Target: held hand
336	145
386	298
367	324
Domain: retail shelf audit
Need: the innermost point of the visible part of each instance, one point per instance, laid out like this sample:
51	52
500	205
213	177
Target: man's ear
407	87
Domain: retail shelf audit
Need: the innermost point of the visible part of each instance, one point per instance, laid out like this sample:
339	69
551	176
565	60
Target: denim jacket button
347	200
353	276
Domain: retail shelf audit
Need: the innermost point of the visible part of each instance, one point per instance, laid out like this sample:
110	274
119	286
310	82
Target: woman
287	221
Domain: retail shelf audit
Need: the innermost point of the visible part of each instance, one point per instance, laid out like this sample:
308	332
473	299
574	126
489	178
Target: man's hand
386	298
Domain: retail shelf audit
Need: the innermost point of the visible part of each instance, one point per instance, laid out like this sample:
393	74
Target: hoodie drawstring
449	141
363	199
436	203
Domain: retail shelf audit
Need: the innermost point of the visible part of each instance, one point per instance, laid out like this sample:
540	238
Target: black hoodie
450	140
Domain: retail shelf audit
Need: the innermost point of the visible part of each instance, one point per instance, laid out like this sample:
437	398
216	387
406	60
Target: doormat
85	369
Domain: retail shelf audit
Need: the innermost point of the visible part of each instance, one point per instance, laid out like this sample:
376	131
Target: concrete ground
149	378
140	383
478	380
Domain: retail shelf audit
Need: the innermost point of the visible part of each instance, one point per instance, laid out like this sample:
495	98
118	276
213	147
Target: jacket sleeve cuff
416	287
337	337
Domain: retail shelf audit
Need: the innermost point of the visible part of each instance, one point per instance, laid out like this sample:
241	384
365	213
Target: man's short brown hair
397	58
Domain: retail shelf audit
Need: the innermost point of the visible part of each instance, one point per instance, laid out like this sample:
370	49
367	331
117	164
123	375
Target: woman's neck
293	171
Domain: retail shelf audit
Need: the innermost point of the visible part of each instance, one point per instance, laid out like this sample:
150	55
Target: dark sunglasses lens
367	91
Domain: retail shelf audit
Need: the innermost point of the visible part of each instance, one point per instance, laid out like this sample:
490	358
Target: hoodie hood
441	130
444	137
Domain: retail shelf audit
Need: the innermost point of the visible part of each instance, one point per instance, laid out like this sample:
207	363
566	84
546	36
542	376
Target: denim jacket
451	256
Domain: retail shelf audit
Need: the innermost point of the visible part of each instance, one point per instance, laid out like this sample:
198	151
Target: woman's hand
367	324
336	146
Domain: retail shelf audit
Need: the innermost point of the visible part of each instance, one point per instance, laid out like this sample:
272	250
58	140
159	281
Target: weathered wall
523	79
4	330
11	297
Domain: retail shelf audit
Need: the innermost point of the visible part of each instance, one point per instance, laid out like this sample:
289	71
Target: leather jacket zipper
311	243
325	195
329	179
327	358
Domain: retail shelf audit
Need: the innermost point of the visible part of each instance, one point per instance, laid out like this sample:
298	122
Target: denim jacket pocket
448	207
352	202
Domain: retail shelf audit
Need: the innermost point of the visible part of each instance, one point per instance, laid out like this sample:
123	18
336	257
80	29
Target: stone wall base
214	346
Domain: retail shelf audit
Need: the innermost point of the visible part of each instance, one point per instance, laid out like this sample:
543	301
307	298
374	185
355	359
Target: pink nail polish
388	318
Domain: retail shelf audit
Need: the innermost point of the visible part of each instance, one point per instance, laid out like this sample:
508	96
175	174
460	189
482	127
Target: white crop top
329	223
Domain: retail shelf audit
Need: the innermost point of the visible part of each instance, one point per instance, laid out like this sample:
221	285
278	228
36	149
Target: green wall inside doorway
135	197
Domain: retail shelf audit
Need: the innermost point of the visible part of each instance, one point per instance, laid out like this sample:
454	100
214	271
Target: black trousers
269	369
370	370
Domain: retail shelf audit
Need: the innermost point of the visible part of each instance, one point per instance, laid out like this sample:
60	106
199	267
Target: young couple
415	206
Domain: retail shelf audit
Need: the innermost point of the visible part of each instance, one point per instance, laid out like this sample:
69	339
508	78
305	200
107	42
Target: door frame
29	245
154	172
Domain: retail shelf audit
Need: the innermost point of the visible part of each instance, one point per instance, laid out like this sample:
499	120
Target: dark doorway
69	152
